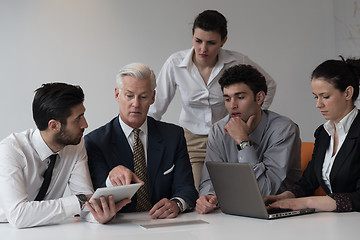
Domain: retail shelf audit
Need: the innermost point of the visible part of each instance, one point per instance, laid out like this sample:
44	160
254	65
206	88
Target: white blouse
342	129
202	104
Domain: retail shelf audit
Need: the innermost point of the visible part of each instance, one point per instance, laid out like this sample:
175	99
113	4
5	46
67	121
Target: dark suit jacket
345	172
108	147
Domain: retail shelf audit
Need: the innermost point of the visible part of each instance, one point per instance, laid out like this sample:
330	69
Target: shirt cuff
71	205
343	202
185	205
248	155
108	182
88	217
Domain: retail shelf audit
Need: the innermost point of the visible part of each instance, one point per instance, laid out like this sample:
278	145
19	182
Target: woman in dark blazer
335	164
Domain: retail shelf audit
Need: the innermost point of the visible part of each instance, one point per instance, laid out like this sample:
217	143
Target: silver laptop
238	192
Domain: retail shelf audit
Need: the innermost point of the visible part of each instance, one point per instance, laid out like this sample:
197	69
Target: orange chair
306	155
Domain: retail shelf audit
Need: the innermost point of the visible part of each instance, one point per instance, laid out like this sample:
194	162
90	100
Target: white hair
138	71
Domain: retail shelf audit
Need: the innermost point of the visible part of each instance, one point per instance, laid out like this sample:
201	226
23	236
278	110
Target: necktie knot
53	157
136	133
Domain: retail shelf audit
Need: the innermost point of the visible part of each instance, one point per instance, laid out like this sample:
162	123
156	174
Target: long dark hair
340	73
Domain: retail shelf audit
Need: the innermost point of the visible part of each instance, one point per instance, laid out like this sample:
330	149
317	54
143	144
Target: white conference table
196	226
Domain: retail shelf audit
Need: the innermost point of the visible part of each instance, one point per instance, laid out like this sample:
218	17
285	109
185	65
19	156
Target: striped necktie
143	201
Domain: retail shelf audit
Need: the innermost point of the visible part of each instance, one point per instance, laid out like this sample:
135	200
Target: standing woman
196	72
335	164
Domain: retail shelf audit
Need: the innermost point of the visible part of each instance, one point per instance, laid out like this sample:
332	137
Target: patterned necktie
47	178
143	201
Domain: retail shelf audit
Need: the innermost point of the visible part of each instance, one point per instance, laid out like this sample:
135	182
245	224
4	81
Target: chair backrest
306	155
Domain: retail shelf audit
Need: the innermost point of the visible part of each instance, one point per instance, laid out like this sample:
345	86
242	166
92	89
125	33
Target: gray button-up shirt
275	155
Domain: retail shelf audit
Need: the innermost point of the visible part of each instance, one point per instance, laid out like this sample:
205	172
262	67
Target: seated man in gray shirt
268	141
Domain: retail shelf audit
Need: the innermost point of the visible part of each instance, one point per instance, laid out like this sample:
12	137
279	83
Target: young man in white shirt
58	112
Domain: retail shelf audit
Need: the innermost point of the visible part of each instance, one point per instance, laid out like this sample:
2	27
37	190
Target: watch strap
179	204
244	144
82	198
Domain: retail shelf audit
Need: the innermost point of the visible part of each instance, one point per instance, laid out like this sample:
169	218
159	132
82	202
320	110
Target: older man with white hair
136	148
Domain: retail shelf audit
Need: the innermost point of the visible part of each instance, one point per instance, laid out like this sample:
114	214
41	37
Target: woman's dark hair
246	74
211	20
54	101
340	74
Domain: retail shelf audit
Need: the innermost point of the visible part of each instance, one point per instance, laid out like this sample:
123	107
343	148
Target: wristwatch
244	144
179	204
82	200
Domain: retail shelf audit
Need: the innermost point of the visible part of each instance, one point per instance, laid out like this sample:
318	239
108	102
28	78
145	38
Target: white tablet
118	192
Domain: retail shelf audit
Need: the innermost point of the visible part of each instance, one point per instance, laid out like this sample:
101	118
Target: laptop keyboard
278	210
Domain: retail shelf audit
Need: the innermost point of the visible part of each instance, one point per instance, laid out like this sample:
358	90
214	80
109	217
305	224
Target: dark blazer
345	172
108	147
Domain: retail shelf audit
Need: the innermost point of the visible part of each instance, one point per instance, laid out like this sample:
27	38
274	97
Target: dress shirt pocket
169	170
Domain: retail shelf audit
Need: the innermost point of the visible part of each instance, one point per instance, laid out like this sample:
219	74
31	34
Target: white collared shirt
23	161
342	129
202	104
128	131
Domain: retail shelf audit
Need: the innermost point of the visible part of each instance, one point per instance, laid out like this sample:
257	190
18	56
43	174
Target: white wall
85	42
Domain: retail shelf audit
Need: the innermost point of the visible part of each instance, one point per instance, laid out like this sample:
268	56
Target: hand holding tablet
118	192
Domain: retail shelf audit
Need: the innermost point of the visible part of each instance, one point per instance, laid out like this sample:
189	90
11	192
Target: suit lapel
120	147
323	146
155	150
346	148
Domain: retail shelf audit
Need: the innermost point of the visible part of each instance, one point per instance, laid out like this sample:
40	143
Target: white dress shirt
23	161
342	129
202	104
128	131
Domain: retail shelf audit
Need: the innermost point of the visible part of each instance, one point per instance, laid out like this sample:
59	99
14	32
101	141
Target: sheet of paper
172	224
